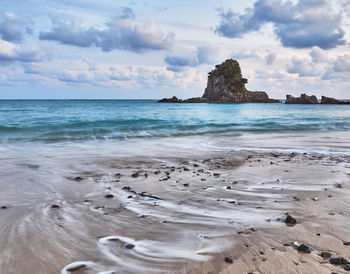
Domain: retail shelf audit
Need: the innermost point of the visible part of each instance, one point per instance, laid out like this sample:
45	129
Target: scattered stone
315	199
135	175
76	267
228	260
228	187
296	244
346	243
338	261
117	175
55	206
129	246
303	248
157	172
216	174
109	196
186	169
338	185
142	216
3	207
290	220
318	234
261	252
347	267
287	244
196	165
130	196
325	255
78	179
186	184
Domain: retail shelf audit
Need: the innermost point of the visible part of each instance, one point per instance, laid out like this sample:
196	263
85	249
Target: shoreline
209	209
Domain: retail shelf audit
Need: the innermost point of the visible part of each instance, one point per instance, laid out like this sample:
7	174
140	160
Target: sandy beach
215	213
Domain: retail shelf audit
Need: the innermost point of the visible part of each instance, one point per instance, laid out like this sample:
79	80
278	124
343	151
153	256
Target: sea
129	126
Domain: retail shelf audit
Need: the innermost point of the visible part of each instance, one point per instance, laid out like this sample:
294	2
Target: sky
138	49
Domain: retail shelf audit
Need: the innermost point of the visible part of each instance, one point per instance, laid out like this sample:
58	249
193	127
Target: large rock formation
332	101
226	85
303	99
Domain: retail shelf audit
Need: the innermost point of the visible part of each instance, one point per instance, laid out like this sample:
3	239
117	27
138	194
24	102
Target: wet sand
215	213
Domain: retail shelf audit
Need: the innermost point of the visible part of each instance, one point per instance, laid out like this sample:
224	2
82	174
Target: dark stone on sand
347	267
3	207
261	252
216	174
130	196
135	175
287	244
55	206
338	261
157	172
303	248
325	255
290	220
109	196
78	178
129	246
76	268
228	187
228	260
303	99
346	243
187	184
338	185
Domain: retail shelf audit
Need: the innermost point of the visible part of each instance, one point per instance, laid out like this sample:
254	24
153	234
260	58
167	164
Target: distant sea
131	124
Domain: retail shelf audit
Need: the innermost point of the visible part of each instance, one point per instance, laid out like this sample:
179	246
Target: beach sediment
215	213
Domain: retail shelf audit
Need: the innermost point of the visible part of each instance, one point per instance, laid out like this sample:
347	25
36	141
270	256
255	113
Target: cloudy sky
159	48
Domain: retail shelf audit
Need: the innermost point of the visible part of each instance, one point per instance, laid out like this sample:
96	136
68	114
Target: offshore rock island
226	85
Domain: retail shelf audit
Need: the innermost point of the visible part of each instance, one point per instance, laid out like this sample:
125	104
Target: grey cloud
305	24
12	28
270	58
120	33
342	64
202	55
303	67
16	54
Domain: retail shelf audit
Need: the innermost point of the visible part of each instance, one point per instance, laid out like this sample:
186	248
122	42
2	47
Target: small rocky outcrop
226	85
332	101
303	99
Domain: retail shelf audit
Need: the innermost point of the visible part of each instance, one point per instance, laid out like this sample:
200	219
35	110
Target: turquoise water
101	120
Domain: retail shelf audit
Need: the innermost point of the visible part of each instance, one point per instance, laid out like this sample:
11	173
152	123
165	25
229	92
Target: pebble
338	185
325	254
228	187
78	179
129	246
187	184
109	196
296	244
346	243
135	175
315	198
347	267
228	260
76	268
290	220
303	248
55	206
338	261
3	207
261	252
216	174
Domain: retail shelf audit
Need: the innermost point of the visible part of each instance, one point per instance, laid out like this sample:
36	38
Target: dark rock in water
174	99
76	268
55	206
226	85
332	101
303	248
228	260
109	196
303	99
78	179
290	220
325	254
135	175
129	246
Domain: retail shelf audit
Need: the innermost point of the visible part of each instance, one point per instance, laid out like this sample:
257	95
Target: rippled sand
175	214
